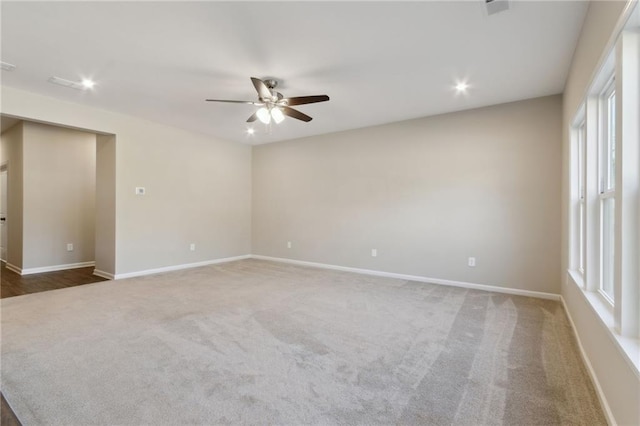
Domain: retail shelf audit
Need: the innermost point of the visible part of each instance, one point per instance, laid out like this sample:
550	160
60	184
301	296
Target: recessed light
250	130
78	85
7	66
88	84
462	86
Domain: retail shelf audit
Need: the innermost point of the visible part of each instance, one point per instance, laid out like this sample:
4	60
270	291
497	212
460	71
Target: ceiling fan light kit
265	115
277	115
274	106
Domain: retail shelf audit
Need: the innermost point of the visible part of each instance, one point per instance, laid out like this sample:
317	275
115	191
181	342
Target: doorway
71	261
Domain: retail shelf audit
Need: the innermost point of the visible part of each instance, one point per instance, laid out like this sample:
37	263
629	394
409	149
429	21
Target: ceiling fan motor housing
271	83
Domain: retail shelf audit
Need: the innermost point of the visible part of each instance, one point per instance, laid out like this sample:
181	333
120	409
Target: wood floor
13	284
7	416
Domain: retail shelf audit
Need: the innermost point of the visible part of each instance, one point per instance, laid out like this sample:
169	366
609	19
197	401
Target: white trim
12	268
53	268
178	267
628	347
103	274
439	281
603	400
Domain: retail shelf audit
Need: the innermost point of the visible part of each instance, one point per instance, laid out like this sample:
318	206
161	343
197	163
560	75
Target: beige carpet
255	342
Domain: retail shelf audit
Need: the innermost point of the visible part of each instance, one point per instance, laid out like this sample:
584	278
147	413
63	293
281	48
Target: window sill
628	347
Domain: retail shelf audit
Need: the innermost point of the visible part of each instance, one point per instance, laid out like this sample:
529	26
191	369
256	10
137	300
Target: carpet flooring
257	342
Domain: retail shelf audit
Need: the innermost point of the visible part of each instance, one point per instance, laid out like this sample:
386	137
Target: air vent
68	83
7	66
496	6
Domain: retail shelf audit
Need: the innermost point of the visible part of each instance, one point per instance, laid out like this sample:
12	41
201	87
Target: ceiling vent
7	66
496	6
67	83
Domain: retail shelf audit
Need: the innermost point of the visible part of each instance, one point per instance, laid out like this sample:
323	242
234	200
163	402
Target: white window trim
627	290
604	136
582	196
577	234
606	190
579	205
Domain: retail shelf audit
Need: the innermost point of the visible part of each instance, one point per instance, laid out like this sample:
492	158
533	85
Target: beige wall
59	195
105	251
11	142
618	380
198	191
198	187
426	193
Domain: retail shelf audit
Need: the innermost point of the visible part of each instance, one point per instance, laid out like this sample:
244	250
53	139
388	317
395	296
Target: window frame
581	209
607	189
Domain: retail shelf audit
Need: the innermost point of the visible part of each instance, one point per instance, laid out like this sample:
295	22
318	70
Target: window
607	177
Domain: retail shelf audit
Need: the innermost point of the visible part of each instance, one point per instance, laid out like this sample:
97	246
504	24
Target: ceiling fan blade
235	102
294	113
263	90
253	117
301	100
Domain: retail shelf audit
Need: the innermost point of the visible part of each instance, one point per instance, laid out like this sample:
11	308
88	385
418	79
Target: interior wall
426	194
11	142
618	380
59	195
105	251
198	189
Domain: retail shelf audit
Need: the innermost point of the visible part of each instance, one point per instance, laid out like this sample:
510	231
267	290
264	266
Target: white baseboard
594	379
178	267
39	270
439	281
516	291
12	268
103	274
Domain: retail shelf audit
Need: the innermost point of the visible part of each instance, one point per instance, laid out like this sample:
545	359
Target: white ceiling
379	62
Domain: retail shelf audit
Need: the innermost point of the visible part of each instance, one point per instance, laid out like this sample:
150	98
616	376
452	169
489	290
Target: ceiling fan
273	104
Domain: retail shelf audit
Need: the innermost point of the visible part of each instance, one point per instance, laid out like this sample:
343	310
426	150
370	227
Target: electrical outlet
472	262
288	244
70	247
192	246
140	190
374	252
